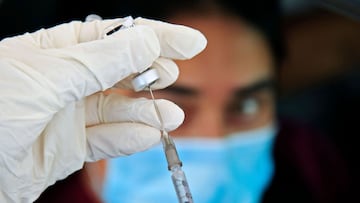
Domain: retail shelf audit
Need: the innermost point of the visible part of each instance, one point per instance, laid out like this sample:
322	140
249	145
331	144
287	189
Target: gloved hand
49	123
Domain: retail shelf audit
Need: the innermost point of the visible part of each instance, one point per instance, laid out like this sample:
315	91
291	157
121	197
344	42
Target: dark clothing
73	189
307	169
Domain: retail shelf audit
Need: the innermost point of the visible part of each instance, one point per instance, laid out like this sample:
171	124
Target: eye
244	106
243	111
249	111
249	106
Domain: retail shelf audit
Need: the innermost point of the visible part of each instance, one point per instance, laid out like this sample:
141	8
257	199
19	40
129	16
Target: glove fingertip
177	41
201	43
173	116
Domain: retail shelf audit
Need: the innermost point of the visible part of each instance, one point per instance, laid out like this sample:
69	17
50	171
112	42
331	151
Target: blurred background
320	80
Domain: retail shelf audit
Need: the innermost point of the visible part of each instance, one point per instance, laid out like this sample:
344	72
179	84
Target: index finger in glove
74	32
116	108
176	41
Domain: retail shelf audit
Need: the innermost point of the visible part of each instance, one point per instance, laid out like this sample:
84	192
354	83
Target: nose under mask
236	168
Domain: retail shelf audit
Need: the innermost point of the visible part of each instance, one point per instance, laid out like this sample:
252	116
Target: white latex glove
48	124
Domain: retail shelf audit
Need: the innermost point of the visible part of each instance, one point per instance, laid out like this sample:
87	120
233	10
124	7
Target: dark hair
264	15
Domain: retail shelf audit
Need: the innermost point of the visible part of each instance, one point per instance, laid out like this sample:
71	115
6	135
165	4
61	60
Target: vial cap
144	79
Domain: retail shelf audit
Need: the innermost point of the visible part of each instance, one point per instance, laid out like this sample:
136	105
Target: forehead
236	55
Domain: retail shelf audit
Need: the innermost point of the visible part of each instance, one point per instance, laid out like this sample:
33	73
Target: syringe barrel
171	154
181	185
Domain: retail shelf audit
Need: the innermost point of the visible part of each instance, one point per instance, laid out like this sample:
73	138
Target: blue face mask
234	169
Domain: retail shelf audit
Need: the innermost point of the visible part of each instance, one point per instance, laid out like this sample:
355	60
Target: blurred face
227	87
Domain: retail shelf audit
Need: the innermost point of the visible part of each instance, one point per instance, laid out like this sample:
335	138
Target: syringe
174	164
177	174
146	79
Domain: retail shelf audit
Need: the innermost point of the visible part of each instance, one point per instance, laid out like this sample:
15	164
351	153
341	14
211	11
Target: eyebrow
260	85
241	92
180	90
